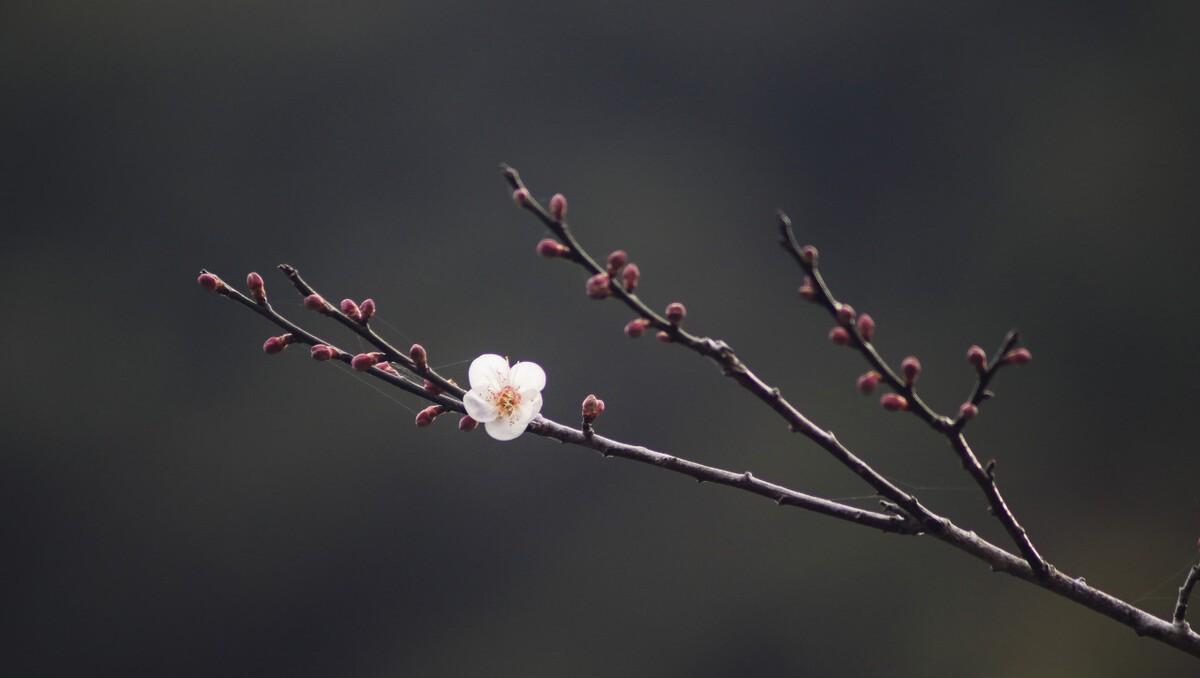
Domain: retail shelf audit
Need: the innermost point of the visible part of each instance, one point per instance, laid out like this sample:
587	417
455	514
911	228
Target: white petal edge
527	375
480	409
488	372
506	428
531	405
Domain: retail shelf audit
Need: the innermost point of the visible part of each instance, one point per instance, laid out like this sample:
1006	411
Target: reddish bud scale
426	416
419	356
845	314
386	367
467	424
630	275
893	402
839	336
275	345
351	309
432	388
365	361
809	254
968	411
866	326
321	352
808	289
258	289
911	368
315	302
558	206
663	336
977	357
597	286
367	307
676	312
636	327
210	282
866	383
521	197
617	261
550	248
1018	356
592	408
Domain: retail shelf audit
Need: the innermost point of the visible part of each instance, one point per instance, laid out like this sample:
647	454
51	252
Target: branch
1185	592
858	331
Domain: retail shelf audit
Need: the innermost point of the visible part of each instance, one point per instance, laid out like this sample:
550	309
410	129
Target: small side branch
1185	593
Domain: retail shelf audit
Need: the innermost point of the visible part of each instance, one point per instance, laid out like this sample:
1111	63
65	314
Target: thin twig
1185	592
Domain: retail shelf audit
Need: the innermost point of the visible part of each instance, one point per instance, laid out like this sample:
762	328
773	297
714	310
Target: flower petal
531	405
480	408
506	428
488	372
527	375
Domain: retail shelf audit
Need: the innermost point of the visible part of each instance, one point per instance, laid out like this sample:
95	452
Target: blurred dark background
175	503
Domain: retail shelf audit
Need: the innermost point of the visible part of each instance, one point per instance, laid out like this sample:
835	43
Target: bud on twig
866	383
365	361
663	336
275	345
676	312
968	411
467	424
911	368
521	196
551	248
616	261
558	206
1018	356
630	275
351	309
210	282
809	254
636	327
845	314
839	336
258	289
431	387
368	310
315	302
426	416
977	357
419	356
893	402
808	289
592	408
866	326
597	286
321	352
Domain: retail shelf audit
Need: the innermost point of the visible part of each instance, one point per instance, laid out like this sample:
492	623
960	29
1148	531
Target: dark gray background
175	503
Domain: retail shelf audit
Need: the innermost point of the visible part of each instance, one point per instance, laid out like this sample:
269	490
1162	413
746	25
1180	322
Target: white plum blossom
504	399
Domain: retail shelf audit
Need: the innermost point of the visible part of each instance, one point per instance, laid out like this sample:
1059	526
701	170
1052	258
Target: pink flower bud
210	282
663	336
368	309
551	248
866	326
275	345
809	254
558	206
431	387
866	383
597	286
592	408
521	196
426	416
351	309
616	261
258	289
419	356
386	367
839	335
636	327
467	424
676	312
968	411
911	368
1018	356
893	402
321	352
808	289
315	302
845	314
976	357
630	275
365	361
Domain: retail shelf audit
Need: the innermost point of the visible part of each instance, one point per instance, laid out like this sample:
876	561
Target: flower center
506	400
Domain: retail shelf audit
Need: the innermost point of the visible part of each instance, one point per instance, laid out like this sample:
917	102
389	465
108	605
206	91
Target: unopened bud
845	314
365	361
597	286
558	206
426	416
893	402
968	411
616	261
676	312
630	275
467	424
419	356
911	368
839	335
351	309
808	289
866	326
321	352
1018	356
431	387
521	196
386	367
592	408
316	302
663	336
258	289
866	383
551	248
368	309
636	327
809	254
210	282
275	345
977	357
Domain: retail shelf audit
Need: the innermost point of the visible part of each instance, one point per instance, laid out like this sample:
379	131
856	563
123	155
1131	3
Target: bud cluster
591	408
